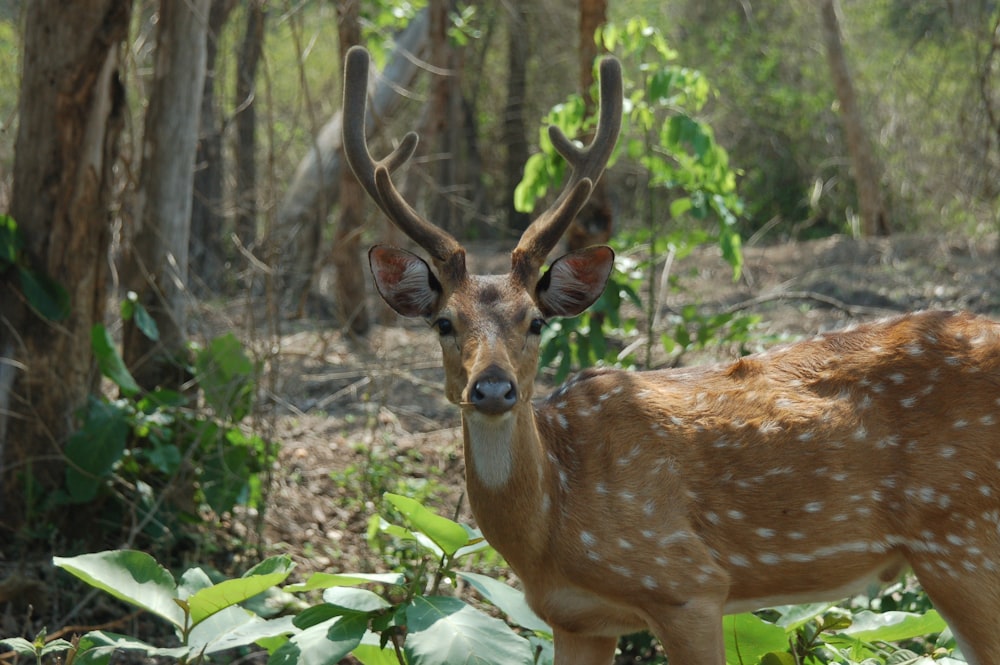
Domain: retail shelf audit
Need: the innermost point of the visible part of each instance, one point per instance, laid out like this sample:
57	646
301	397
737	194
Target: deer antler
374	176
587	164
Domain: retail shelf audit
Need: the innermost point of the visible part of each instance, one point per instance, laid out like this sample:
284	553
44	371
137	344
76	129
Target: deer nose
493	393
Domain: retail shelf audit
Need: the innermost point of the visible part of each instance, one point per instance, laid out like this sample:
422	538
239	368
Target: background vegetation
734	137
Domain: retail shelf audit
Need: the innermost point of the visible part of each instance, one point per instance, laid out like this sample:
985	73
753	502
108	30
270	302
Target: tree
206	245
251	51
314	189
594	223
871	205
156	265
514	133
70	120
346	254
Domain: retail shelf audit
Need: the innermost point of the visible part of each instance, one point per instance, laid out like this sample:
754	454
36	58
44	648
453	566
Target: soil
356	417
343	403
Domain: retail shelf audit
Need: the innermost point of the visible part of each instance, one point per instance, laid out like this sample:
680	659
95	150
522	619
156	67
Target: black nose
493	393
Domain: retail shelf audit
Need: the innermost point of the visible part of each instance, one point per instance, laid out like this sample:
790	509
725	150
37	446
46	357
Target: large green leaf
109	362
206	602
323	644
370	651
47	296
444	631
226	375
893	626
510	601
749	637
445	533
329	580
93	450
131	576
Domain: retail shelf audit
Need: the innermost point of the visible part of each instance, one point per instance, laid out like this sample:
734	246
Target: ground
357	417
376	406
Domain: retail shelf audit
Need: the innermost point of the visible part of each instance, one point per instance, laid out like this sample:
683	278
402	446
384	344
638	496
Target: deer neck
507	479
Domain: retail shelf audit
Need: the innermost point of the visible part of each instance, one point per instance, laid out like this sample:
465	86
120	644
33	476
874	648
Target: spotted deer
666	499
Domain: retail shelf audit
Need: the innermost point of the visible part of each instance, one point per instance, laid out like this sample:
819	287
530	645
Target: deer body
665	499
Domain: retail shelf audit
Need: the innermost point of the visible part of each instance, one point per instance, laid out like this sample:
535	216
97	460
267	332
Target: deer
664	499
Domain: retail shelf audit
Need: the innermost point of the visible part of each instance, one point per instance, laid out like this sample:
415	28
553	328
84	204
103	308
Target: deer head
489	325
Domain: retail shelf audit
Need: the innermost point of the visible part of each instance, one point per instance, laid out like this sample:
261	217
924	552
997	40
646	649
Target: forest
217	444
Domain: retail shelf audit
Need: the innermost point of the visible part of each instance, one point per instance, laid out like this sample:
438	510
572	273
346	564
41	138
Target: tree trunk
346	254
246	124
207	246
315	187
156	266
867	175
70	119
514	132
593	226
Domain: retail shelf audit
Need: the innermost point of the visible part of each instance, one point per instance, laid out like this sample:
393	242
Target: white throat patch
490	446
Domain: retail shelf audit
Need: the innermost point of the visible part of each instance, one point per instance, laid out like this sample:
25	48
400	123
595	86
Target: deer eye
536	326
444	327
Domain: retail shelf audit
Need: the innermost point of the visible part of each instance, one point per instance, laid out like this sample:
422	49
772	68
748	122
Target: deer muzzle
493	392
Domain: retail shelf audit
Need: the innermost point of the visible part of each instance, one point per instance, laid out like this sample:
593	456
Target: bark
156	266
314	189
246	124
70	119
514	130
593	226
207	246
346	254
867	175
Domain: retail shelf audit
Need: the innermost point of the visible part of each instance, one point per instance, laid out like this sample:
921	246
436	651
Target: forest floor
358	417
361	417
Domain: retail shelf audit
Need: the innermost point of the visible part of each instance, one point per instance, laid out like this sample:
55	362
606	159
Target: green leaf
330	580
144	321
226	375
358	601
19	645
109	362
225	466
206	602
131	576
749	637
443	631
323	644
680	206
102	644
93	450
47	296
445	533
794	616
371	652
11	243
508	599
893	626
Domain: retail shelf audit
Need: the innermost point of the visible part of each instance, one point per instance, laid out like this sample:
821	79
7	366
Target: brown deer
666	499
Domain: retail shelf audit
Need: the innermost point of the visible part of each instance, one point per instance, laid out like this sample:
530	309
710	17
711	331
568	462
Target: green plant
139	445
681	158
407	618
46	296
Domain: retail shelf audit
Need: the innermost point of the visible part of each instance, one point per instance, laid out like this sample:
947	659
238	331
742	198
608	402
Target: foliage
46	296
680	157
189	446
403	617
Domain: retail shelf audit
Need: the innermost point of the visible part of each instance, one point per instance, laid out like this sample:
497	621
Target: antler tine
374	175
587	164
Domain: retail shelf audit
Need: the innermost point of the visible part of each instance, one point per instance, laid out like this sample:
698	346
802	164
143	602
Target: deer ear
574	281
404	281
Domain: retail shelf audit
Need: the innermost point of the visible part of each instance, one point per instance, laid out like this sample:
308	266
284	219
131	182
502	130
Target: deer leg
969	600
576	649
691	633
